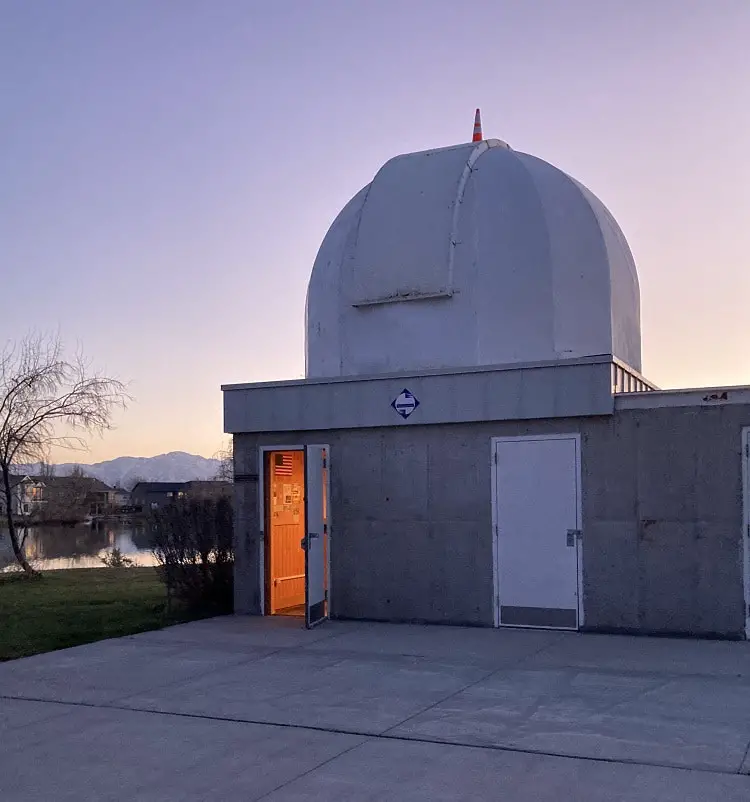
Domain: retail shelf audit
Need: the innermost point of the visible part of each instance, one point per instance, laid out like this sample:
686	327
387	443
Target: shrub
193	548
116	559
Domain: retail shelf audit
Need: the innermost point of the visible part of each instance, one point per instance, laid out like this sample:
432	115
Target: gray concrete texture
412	533
252	708
522	391
663	543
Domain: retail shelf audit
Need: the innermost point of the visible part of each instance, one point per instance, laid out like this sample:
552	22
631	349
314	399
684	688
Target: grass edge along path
80	605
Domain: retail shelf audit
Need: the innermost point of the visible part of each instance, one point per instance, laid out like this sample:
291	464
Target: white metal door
317	505
537	522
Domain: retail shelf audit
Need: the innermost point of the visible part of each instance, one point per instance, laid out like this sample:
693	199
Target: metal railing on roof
627	380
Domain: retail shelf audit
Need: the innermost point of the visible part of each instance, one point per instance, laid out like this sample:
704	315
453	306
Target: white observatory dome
469	256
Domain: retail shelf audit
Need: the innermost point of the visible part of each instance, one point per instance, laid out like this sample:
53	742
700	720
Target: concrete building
26	496
58	499
149	496
474	442
146	496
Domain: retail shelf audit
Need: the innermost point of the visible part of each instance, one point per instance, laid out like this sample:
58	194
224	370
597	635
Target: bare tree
129	484
67	497
225	455
41	393
47	470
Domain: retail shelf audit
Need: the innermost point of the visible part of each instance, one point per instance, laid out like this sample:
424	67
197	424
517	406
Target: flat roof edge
687	396
411	374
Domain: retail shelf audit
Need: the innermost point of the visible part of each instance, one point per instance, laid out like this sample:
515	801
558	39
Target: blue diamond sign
405	403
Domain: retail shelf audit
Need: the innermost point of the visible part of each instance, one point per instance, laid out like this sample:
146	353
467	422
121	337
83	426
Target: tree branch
39	391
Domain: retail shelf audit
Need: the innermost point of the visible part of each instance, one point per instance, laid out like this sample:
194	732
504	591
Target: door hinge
572	536
495	458
747	449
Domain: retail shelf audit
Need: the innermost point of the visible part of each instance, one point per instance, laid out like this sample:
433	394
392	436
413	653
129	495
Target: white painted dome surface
469	256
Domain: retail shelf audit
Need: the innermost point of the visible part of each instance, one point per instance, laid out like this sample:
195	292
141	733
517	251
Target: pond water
81	546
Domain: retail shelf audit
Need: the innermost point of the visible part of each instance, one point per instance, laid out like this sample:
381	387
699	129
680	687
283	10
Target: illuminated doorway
297	531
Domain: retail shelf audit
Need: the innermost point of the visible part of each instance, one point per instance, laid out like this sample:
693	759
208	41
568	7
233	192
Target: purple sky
168	169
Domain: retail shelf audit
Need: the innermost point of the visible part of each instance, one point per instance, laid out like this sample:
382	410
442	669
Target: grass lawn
67	608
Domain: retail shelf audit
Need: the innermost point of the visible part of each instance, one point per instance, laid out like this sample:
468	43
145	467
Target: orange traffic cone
477	128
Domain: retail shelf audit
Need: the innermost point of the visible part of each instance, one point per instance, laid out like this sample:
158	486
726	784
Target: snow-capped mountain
177	466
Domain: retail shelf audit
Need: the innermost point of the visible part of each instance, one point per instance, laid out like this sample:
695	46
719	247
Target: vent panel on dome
404	240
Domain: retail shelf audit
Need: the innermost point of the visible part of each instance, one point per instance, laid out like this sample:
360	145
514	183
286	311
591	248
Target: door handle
303	543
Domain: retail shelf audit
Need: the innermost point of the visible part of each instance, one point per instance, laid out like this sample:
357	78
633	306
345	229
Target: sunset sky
168	168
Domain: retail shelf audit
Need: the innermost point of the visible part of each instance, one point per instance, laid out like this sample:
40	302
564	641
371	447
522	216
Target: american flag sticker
283	464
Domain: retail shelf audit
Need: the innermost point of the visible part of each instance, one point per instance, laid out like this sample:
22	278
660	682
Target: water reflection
81	546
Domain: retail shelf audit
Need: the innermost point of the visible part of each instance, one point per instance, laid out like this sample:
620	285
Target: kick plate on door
573	535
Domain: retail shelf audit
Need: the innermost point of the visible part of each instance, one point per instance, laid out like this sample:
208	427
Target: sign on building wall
405	403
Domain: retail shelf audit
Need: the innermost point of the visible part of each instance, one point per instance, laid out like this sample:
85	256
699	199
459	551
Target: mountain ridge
173	466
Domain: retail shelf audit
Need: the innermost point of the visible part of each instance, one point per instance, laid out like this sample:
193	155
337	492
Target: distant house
155	495
60	499
120	498
100	497
27	496
74	497
208	489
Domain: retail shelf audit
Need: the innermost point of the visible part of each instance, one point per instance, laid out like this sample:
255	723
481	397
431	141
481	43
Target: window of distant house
25	508
180	494
169	495
154	505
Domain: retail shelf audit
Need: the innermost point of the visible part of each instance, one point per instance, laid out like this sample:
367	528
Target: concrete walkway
246	709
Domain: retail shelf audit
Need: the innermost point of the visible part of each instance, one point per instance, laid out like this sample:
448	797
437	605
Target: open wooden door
315	543
285	526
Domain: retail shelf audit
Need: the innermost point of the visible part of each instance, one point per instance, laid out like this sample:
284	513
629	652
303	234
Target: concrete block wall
411	519
412	543
247	584
663	548
412	536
